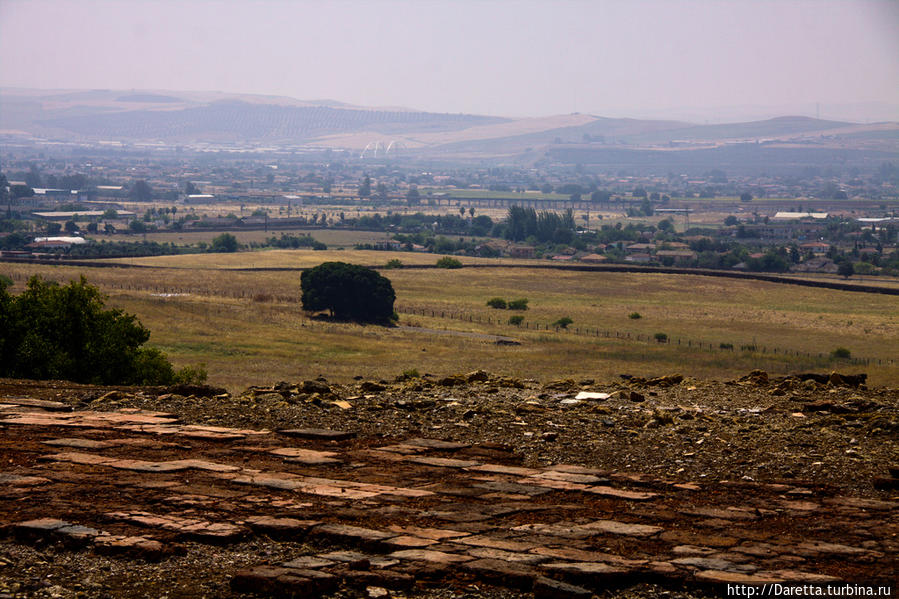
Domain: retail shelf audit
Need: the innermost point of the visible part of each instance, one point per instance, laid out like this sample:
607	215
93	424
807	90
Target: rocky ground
468	486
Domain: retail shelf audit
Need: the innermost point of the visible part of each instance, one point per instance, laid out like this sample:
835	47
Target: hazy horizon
689	60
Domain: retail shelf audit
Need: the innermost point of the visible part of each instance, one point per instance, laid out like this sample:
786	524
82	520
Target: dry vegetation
336	238
248	327
298	259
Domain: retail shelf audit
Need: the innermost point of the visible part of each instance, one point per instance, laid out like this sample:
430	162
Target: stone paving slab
318	433
391	513
16	480
43	404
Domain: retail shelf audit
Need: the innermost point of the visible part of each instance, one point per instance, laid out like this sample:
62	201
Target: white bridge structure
378	146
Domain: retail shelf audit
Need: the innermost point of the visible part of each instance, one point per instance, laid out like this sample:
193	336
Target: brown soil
474	486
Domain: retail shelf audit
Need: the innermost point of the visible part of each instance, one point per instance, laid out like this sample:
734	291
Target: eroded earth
474	486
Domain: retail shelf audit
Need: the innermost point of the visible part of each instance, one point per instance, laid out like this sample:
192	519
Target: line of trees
545	226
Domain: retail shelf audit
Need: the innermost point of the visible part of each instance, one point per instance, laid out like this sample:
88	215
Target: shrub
348	292
563	322
634	316
497	302
841	353
192	375
294	242
518	304
661	337
864	268
152	367
447	262
725	345
226	243
394	263
516	320
54	332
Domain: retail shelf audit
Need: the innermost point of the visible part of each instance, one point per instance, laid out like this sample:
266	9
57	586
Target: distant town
93	203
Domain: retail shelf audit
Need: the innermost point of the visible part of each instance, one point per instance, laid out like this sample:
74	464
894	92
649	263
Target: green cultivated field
249	329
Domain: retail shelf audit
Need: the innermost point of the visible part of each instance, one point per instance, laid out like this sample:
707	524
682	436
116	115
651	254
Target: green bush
841	353
348	292
516	320
634	316
394	263
447	262
226	243
725	345
661	337
563	322
497	302
293	242
192	375
864	268
151	366
64	332
518	304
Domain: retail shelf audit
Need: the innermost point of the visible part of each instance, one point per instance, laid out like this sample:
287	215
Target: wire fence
627	335
264	296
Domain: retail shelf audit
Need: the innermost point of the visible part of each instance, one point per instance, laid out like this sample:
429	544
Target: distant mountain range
214	117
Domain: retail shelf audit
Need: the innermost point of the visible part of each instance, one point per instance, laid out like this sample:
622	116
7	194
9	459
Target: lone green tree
846	269
348	292
365	188
381	191
141	191
225	243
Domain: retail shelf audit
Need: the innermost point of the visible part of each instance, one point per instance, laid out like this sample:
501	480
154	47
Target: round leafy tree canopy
348	292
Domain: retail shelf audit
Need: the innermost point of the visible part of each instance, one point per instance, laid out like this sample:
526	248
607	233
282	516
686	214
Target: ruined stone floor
401	517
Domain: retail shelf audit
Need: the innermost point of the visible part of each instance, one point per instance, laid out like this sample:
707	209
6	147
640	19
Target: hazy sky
490	57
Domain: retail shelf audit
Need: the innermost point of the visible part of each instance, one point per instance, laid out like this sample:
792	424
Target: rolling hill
176	117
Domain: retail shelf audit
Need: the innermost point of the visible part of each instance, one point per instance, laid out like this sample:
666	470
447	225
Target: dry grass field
334	238
298	259
248	326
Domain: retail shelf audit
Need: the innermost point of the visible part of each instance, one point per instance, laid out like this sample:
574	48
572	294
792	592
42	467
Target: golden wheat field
248	326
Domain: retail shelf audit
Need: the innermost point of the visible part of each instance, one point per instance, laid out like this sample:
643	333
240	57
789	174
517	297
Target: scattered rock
560	385
592	395
665	381
452	381
314	387
477	376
